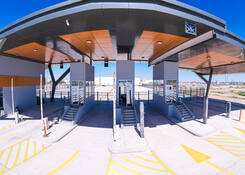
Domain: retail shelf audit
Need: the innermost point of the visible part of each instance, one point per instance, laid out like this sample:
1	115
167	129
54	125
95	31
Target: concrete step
131	119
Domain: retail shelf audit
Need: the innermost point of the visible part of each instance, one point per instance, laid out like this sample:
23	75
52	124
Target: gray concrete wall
165	71
77	71
25	96
125	70
17	67
85	72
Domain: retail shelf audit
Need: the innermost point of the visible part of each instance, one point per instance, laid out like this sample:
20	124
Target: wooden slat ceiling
100	47
147	47
206	60
38	52
5	81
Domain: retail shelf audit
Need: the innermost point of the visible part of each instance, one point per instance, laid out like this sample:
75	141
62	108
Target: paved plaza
86	149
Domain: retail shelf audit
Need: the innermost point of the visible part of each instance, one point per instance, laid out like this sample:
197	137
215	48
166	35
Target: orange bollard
240	116
45	132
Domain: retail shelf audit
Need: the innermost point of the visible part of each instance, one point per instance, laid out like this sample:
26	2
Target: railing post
205	114
50	95
97	97
148	97
45	97
107	97
68	96
191	93
138	96
142	123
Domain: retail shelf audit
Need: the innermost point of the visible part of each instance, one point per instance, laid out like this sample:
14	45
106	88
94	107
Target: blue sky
231	11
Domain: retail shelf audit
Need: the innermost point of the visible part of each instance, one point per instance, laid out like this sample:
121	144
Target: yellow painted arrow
239	129
200	157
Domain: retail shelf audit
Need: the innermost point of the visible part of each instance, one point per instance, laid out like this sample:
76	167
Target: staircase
70	114
129	116
183	113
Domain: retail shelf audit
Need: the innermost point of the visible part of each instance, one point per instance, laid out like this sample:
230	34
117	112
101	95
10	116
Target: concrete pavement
85	150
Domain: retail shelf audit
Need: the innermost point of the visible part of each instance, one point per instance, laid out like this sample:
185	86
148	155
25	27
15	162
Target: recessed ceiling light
102	57
142	57
89	41
35	50
159	42
67	22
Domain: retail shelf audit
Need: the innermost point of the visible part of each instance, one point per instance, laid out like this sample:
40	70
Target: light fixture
159	42
61	65
106	62
35	50
142	57
89	41
67	22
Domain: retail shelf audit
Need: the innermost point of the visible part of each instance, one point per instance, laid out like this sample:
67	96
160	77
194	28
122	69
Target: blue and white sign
190	28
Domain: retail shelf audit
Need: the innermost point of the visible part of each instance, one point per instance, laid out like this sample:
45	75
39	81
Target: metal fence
140	96
191	92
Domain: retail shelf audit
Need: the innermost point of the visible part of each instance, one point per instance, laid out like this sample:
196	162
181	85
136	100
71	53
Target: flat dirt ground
234	93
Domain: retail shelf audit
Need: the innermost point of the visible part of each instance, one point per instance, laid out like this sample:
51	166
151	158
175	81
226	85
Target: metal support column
208	82
55	83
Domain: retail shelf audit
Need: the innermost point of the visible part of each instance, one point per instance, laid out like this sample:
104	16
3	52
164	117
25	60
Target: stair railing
190	112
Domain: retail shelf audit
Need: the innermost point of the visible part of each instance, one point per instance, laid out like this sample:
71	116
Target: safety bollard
228	109
240	116
45	126
142	123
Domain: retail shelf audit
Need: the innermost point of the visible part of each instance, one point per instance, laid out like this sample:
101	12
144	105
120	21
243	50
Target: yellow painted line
241	130
7	127
169	170
17	155
27	147
138	157
43	146
230	152
212	138
64	164
137	164
2	153
199	157
226	142
35	147
6	162
25	160
233	136
221	169
6	137
235	146
114	172
109	168
236	150
127	169
221	135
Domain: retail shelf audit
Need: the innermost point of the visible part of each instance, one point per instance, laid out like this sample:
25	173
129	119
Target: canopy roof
146	31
